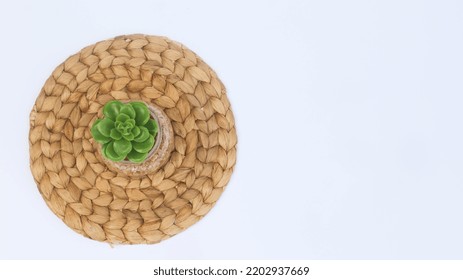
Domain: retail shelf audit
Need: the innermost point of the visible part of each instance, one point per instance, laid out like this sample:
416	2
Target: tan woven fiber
113	207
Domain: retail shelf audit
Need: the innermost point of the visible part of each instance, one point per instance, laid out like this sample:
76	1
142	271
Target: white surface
349	121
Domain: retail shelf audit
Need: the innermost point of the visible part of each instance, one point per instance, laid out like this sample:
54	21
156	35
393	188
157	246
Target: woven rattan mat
108	206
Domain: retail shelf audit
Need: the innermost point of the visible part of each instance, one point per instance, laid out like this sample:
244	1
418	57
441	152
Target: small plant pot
157	157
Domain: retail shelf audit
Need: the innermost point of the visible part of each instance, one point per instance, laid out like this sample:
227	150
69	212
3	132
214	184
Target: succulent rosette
127	131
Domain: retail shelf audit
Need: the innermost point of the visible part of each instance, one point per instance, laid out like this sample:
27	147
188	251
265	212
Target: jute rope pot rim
110	206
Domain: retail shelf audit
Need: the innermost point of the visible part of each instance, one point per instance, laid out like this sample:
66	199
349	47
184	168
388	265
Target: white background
349	121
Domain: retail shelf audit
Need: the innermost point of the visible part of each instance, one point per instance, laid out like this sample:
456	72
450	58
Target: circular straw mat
112	207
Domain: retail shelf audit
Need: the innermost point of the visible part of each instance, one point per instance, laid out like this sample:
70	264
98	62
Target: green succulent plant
126	131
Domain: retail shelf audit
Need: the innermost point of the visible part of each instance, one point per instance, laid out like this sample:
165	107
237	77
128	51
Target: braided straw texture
112	207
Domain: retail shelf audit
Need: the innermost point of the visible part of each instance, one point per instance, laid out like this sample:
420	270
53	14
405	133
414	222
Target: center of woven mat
157	157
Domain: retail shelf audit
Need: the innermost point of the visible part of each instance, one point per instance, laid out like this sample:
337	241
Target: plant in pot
127	132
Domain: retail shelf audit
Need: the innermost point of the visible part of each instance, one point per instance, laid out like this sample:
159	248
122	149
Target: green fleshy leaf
126	127
128	110
112	108
142	112
120	126
122	147
135	156
128	137
131	121
122	117
115	134
96	122
144	134
135	131
97	135
110	153
105	126
145	146
152	126
103	149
